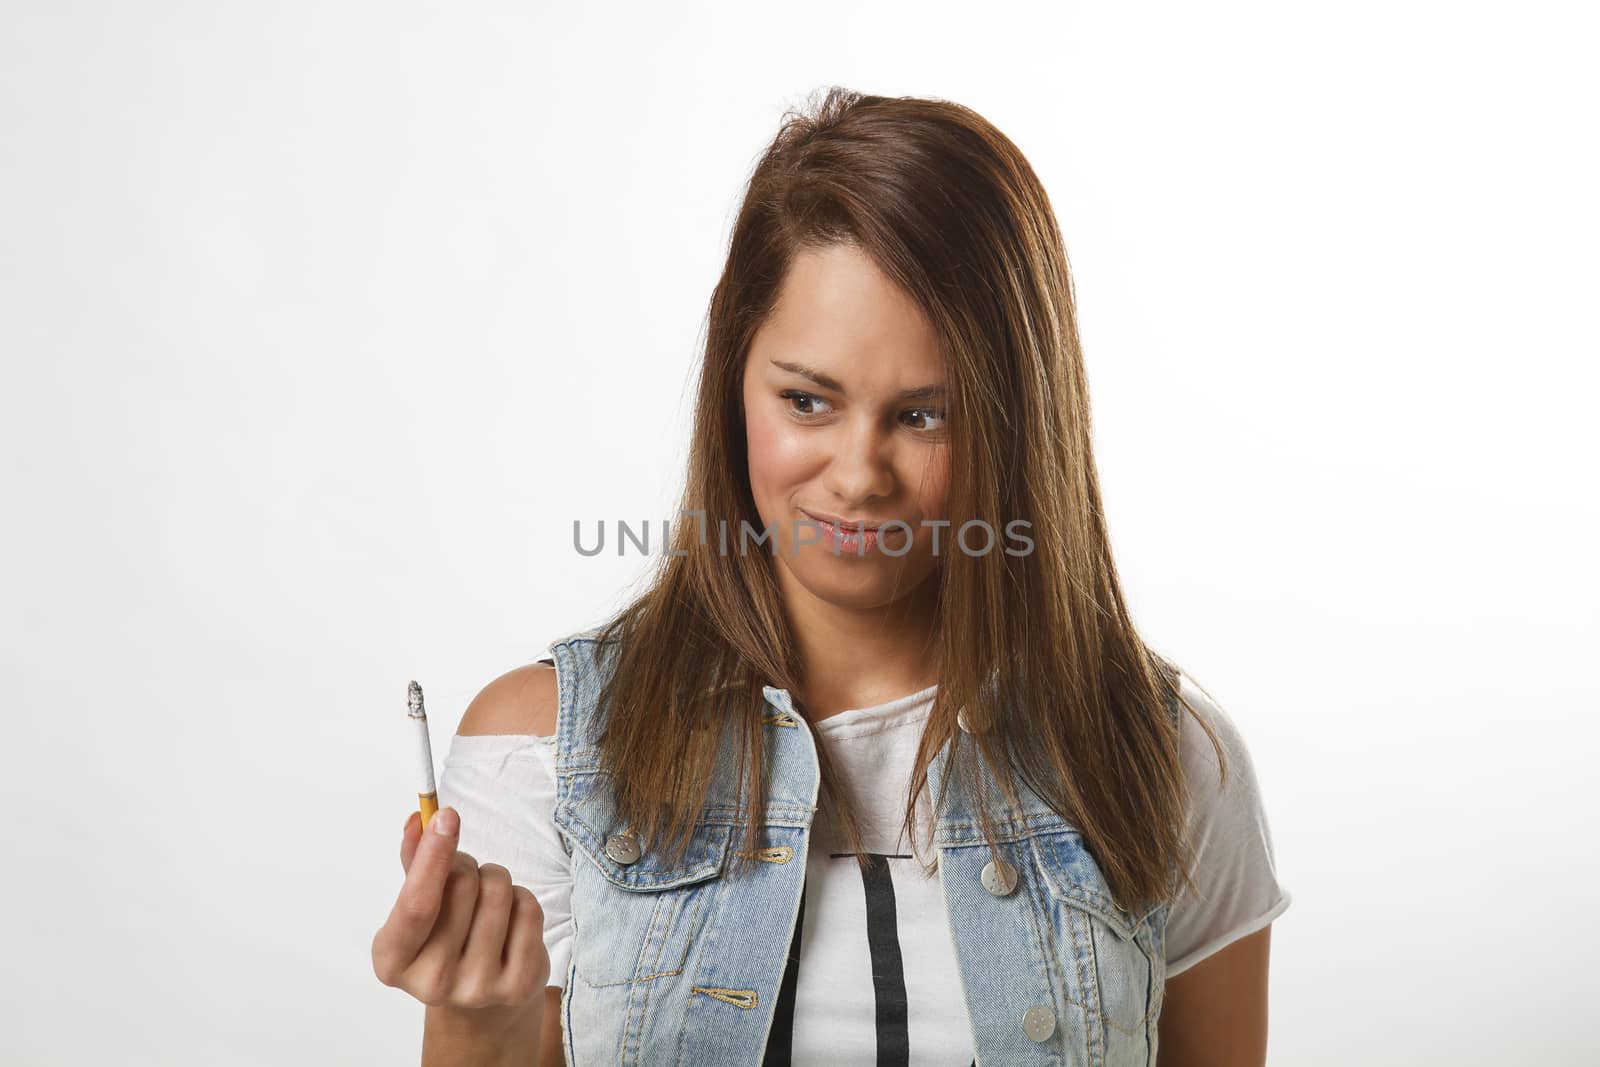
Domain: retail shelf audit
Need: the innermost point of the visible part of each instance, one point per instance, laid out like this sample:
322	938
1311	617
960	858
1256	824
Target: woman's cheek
758	448
933	500
777	453
770	451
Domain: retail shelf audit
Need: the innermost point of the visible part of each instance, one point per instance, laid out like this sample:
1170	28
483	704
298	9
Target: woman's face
844	411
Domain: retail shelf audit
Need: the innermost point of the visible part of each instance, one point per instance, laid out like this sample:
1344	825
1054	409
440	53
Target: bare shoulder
520	701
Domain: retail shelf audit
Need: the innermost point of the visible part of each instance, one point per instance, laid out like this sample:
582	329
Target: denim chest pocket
1120	968
637	921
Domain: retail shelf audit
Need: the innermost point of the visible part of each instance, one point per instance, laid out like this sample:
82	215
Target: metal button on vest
961	721
624	848
998	877
1039	1022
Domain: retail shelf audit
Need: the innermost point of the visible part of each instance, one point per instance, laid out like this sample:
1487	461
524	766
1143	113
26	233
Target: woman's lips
841	537
848	524
844	541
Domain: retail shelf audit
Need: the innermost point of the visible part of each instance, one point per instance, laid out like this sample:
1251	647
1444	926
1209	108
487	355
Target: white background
322	322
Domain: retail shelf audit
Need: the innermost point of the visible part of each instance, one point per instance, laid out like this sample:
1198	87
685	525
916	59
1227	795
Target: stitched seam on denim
1153	1005
1050	901
791	815
688	944
694	923
1010	827
686	934
709	952
661	947
564	725
655	936
1082	986
1151	1002
1138	1028
593	984
633	1018
1046	903
1096	1011
1149	1014
659	932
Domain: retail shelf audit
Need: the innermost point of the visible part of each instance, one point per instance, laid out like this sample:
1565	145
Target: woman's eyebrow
924	392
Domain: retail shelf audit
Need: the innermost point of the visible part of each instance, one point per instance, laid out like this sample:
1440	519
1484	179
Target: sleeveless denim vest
681	964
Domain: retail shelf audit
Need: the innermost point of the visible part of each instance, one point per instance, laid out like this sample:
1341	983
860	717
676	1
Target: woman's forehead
840	292
839	317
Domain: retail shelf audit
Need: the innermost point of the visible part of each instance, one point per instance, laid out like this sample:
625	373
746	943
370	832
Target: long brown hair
950	210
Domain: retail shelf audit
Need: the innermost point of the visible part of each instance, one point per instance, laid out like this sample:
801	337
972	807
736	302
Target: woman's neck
859	657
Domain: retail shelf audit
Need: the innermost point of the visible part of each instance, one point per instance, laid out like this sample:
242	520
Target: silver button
998	877
1039	1022
961	721
624	848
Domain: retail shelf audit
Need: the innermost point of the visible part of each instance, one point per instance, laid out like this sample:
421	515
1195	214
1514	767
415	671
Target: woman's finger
527	963
486	938
439	958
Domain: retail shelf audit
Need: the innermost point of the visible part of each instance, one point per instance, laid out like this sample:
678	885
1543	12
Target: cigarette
427	796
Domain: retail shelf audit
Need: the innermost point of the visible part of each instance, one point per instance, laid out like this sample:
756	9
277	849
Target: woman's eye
795	396
936	414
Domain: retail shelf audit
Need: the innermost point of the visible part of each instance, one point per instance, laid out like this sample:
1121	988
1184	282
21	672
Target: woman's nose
862	466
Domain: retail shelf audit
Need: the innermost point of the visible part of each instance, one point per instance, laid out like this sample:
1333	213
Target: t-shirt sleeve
1237	891
504	787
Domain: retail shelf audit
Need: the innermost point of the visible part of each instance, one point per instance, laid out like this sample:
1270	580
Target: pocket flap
589	822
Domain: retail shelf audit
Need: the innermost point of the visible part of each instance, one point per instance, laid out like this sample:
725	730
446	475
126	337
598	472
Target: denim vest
681	964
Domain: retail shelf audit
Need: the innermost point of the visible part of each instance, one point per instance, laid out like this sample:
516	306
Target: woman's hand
461	937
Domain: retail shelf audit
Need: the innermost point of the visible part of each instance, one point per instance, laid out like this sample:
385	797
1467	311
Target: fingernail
445	821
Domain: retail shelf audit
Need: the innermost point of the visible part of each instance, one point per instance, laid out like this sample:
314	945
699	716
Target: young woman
878	770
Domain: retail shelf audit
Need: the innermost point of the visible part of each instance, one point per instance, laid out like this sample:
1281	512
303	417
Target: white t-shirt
879	940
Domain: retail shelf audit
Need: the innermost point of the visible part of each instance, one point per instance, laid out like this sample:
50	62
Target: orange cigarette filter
427	795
